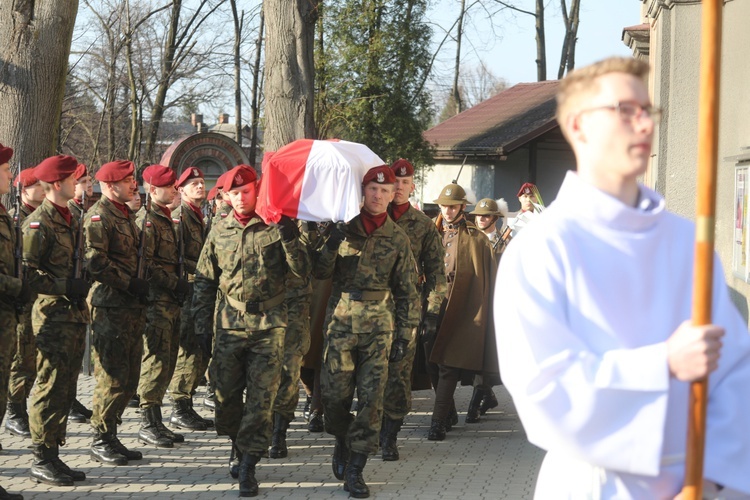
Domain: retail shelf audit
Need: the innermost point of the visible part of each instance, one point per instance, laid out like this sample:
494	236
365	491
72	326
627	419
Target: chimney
223	118
195	119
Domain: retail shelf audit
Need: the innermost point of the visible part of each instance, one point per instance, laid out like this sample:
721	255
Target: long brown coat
466	336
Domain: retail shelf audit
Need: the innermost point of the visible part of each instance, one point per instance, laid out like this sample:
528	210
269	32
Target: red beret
220	181
115	171
5	154
239	176
56	168
402	168
212	193
159	176
26	177
382	175
81	171
188	174
527	188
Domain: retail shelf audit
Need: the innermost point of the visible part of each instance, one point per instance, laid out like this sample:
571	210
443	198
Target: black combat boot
18	420
4	495
135	402
209	401
388	435
75	475
248	483
183	418
209	423
122	450
235	457
103	450
355	483
489	401
306	409
437	430
149	432
340	457
472	414
45	469
175	437
278	441
79	413
316	421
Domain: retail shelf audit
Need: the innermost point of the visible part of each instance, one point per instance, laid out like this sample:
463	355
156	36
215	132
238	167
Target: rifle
208	215
140	267
455	181
78	251
181	255
18	250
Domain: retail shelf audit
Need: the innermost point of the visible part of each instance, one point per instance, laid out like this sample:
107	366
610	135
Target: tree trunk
541	50
289	71
254	107
455	92
237	81
573	33
135	136
567	56
34	51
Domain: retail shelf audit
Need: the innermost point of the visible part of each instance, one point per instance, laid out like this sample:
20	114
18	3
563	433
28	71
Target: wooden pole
708	139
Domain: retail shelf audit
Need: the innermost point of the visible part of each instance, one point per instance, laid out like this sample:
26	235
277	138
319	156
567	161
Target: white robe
585	299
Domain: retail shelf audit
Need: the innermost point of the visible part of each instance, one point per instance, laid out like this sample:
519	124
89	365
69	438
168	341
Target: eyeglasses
629	110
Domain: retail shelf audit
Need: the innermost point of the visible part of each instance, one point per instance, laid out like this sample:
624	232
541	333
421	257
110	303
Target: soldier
23	368
191	362
487	214
84	190
167	291
464	340
247	261
59	317
118	317
431	287
14	292
531	206
370	323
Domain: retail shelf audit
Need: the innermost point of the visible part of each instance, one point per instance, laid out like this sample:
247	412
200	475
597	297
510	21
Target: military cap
212	193
115	171
188	174
5	154
452	194
159	176
526	188
381	175
485	206
220	181
239	176
402	168
26	178
81	171
56	168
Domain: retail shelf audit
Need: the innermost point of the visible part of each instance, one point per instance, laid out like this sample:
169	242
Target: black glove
24	295
429	327
398	350
288	228
138	287
76	288
205	341
336	236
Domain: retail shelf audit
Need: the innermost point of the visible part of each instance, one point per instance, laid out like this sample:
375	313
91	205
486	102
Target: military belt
361	295
255	307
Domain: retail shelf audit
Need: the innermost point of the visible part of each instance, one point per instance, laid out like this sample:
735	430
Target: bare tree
238	21
455	94
567	58
255	89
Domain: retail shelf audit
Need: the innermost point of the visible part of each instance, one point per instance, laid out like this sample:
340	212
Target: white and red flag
314	180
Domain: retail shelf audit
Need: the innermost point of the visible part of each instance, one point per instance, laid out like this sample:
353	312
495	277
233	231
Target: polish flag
314	180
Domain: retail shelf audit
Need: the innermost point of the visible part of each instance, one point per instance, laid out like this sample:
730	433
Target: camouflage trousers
251	361
296	345
191	362
355	361
397	395
23	368
60	349
8	325
117	340
160	343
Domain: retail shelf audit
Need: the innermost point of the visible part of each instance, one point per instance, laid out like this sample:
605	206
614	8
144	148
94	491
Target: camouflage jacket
249	266
381	261
9	285
48	247
300	286
111	253
25	212
161	253
221	213
192	234
428	251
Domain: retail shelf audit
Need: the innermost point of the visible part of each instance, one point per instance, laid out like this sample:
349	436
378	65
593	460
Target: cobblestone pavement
488	460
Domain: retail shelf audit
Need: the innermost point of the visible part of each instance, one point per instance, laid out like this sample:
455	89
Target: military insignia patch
176	221
96	218
223	215
403	170
238	178
34	225
448	192
195	173
484	204
381	177
148	223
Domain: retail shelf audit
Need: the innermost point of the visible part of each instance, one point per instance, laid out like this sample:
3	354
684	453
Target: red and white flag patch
96	218
148	223
34	225
176	221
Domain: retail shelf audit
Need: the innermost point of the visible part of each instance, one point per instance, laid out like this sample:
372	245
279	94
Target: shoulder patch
34	225
224	215
176	221
148	223
96	218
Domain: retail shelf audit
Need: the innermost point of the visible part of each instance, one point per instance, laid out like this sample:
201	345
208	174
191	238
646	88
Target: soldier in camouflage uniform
431	286
23	369
118	316
247	261
370	322
296	344
167	291
59	316
14	292
191	363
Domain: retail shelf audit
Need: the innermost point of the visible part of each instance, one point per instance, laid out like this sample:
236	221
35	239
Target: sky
510	50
